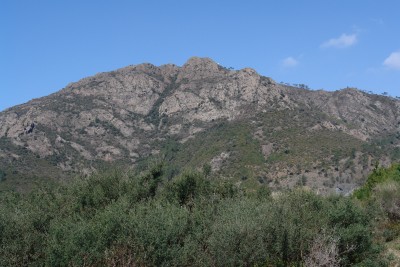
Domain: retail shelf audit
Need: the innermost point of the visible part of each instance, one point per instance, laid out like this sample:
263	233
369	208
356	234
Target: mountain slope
246	126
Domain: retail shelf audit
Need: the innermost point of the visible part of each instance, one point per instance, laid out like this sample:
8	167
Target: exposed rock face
124	115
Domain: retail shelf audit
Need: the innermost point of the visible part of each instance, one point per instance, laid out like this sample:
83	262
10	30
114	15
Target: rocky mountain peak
197	68
200	63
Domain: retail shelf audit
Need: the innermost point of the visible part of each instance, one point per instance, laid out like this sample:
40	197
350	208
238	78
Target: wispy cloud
290	62
378	21
344	40
393	61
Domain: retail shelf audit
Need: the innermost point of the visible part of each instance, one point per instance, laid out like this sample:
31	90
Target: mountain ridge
129	114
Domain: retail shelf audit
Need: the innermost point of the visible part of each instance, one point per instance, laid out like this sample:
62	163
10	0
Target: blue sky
325	44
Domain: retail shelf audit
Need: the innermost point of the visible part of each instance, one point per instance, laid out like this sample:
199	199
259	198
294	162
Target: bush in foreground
122	219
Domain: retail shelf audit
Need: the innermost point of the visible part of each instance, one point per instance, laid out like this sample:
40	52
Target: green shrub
379	175
24	223
79	241
188	186
238	236
388	196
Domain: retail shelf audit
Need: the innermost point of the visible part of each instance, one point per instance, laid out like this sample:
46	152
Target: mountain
236	123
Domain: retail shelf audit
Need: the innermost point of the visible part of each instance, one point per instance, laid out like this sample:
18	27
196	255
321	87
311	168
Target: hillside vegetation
153	218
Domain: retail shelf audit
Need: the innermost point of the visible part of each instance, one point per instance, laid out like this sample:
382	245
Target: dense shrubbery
123	219
383	190
378	177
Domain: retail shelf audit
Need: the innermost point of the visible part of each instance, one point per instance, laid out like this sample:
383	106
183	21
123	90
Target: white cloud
344	40
393	61
290	62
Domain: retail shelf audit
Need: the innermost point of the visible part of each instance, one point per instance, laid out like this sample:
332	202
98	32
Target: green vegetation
296	144
382	188
379	177
120	218
235	140
14	170
233	149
